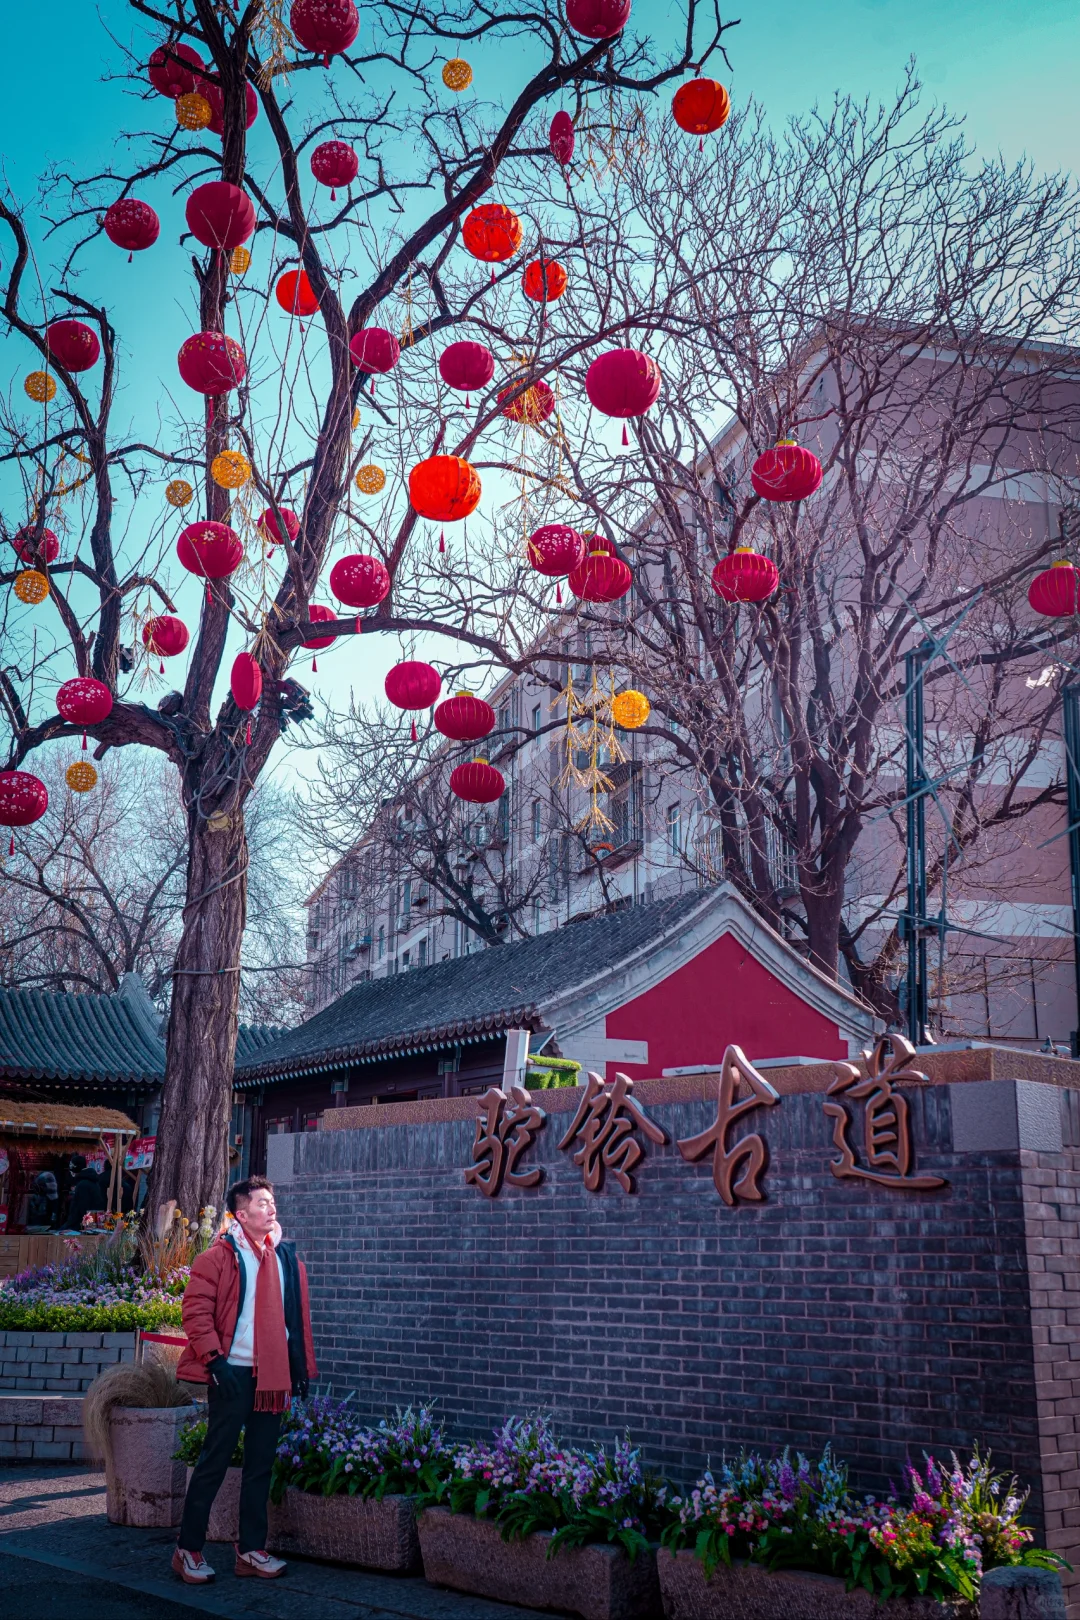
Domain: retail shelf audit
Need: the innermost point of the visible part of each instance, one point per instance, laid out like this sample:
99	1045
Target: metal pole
1070	706
915	916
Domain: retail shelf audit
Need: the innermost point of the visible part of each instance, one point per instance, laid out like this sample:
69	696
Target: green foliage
549	1073
192	1436
121	1317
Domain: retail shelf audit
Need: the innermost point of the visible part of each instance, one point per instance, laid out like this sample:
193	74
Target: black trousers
229	1413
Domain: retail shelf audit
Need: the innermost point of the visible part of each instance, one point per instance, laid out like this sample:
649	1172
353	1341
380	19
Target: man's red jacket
212	1302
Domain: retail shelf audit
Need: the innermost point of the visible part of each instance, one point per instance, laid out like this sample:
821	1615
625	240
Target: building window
382	942
421	959
405	958
537	820
309	1122
536	914
536	721
674	828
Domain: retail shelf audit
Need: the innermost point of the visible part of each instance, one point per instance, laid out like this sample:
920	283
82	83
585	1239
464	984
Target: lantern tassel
11	846
84	739
493	275
558	595
130	257
412	730
466	401
209	595
161	666
701	143
314	666
442	539
333	194
326	59
625	440
247	735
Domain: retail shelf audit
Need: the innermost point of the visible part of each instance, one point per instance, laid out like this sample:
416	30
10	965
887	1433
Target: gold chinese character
503	1132
604	1121
735	1068
886	1123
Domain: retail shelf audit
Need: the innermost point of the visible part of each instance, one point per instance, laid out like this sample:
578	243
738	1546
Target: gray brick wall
42	1429
884	1321
58	1363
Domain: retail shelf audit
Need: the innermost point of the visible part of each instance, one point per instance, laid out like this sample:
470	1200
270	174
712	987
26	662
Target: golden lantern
239	261
370	479
178	492
230	470
457	74
193	111
31	587
630	709
40	387
81	776
356	419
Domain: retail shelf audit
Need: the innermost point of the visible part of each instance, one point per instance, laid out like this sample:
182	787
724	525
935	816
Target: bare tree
424	166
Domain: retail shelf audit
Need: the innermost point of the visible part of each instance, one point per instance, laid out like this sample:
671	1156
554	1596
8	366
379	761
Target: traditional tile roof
94	1040
470	998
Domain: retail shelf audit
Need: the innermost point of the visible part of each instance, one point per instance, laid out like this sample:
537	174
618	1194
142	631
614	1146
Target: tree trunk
191	1158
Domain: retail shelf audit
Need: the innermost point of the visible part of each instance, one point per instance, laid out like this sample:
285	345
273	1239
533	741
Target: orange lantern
492	232
701	107
81	777
544	281
444	488
31	587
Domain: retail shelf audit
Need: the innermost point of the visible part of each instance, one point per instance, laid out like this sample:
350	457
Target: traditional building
645	990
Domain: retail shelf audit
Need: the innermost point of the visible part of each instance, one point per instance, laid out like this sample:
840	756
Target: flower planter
225	1514
748	1592
596	1582
346	1530
144	1485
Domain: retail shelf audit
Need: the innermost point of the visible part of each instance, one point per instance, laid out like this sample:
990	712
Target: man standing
248	1324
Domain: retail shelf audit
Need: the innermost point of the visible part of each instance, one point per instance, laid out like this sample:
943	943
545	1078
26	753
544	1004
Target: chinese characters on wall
871	1129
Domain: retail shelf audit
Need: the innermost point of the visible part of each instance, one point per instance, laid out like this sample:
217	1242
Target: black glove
224	1374
300	1388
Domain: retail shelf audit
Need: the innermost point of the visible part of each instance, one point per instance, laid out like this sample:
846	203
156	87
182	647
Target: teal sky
1011	69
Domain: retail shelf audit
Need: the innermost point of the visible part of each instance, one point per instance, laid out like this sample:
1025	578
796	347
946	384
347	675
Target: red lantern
34	545
413	685
215	95
561	138
334	164
317	614
467	366
211	550
246	681
132	224
745	576
212	363
84	701
535	405
598	19
1055	593
444	488
492	232
788	473
270	527
220	215
164	636
477	782
295	293
23	799
701	106
464	718
544	281
555	550
359	581
623	382
170	76
600	577
325	26
72	345
375	351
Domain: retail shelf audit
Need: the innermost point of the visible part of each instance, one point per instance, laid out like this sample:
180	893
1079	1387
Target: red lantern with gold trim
211	550
786	473
465	718
1055	593
477	782
360	581
492	233
600	577
211	363
745	576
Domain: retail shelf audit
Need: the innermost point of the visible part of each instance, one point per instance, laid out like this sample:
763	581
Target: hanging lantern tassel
161	666
701	143
314	666
209	595
84	739
412	729
247	735
493	275
333	194
625	439
11	846
558	595
442	539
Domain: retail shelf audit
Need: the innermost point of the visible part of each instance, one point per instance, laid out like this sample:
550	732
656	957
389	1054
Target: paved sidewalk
59	1556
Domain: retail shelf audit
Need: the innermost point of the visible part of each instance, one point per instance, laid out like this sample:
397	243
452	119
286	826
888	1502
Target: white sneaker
191	1567
262	1564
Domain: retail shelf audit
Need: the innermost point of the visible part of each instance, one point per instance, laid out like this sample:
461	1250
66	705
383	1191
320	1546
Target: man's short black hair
244	1189
77	1162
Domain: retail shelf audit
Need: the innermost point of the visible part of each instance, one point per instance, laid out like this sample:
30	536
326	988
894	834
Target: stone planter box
225	1514
598	1583
346	1530
748	1592
144	1485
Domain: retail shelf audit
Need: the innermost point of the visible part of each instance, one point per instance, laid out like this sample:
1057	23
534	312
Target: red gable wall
722	996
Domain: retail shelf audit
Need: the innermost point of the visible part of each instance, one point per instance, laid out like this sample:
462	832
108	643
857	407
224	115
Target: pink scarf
273	1379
